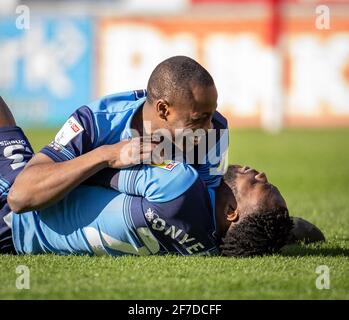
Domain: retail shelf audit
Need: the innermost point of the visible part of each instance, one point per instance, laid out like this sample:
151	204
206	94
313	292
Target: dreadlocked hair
258	234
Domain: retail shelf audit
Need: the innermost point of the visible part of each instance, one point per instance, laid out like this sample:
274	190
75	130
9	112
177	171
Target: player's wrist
105	155
110	155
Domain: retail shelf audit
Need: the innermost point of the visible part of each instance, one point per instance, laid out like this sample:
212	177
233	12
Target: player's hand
131	152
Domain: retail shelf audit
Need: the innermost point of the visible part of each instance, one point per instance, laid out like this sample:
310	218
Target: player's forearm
42	184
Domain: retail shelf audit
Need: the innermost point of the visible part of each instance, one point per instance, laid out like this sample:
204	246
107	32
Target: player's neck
149	119
222	224
137	121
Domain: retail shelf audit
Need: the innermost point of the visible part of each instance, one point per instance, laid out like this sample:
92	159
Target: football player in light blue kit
87	149
92	145
170	208
157	210
171	213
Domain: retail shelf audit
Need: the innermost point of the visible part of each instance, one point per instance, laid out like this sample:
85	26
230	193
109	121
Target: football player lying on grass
157	211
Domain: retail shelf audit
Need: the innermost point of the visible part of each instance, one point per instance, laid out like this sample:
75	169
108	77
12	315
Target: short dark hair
258	234
175	77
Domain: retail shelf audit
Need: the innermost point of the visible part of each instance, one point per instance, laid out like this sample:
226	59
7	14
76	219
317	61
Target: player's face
197	115
251	189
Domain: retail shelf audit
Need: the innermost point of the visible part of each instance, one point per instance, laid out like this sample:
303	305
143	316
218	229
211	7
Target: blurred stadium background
274	68
272	65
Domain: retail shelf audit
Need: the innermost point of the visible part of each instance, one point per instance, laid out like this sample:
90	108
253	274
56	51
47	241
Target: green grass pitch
310	167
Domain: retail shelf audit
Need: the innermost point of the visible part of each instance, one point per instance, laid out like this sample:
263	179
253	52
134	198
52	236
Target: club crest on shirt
150	215
167	165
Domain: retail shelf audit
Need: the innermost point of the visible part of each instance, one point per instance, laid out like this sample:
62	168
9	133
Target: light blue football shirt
171	214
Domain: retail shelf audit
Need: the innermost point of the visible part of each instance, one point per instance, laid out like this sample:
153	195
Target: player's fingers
148	139
145	158
156	158
158	155
148	147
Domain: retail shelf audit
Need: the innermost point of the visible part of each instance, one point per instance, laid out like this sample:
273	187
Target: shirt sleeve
155	183
75	138
99	123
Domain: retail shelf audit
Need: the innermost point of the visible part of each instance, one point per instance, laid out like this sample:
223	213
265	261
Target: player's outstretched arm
44	182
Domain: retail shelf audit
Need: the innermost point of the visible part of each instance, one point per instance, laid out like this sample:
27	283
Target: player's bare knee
6	117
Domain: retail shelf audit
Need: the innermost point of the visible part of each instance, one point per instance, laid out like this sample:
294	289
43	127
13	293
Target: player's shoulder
171	180
219	121
118	102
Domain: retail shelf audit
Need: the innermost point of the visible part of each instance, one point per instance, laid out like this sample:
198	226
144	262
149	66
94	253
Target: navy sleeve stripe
3	190
139	94
67	153
57	157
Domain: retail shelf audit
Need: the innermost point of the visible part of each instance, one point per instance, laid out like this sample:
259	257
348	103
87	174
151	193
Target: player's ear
162	108
233	216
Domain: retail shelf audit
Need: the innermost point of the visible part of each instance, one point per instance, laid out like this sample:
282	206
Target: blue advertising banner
46	70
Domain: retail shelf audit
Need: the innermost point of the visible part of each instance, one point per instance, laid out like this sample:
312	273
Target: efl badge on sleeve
167	165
